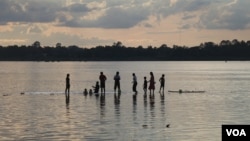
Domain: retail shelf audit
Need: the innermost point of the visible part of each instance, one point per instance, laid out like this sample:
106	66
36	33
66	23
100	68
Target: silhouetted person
102	79
67	85
85	92
134	83
145	85
151	83
90	92
96	88
67	89
117	82
162	83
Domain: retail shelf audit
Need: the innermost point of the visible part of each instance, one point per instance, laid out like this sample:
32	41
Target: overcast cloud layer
124	14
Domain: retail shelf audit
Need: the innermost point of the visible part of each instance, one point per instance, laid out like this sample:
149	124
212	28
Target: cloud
79	8
74	40
28	34
110	14
27	11
229	15
213	14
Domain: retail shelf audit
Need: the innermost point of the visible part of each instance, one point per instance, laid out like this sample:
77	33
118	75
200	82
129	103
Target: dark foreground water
43	114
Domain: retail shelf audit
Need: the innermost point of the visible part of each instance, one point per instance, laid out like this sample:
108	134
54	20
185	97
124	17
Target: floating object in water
168	125
186	91
22	93
144	126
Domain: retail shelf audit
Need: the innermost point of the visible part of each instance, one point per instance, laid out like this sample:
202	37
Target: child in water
85	92
90	92
96	87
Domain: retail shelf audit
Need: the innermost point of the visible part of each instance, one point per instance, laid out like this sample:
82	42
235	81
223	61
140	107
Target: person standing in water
134	83
67	89
151	83
162	82
117	82
102	79
145	85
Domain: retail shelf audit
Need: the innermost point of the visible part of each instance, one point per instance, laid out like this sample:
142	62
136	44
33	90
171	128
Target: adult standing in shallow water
134	83
162	82
145	85
117	82
151	83
67	89
102	79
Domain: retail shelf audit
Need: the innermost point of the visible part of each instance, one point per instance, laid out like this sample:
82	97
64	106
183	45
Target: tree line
208	51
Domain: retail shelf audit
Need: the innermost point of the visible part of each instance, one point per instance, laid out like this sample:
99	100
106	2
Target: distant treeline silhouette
225	50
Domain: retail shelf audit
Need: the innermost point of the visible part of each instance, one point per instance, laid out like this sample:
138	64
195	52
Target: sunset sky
88	23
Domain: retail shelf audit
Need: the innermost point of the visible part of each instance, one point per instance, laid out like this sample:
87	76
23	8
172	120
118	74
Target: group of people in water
117	87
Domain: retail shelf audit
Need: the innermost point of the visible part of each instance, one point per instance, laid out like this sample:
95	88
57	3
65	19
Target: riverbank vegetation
208	51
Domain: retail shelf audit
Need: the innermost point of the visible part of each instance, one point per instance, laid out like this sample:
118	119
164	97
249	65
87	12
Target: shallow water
43	114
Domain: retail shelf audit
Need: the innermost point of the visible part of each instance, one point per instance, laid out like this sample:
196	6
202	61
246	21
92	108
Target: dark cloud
148	25
188	17
215	14
80	8
113	18
194	5
27	11
233	16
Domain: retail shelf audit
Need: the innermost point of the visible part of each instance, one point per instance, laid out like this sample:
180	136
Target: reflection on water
102	105
191	117
117	105
67	98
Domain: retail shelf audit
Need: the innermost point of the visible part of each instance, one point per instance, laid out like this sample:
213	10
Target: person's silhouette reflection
152	100
102	104
67	99
134	99
102	100
162	98
117	99
145	99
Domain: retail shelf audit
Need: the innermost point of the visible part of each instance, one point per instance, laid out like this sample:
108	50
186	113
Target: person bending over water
96	88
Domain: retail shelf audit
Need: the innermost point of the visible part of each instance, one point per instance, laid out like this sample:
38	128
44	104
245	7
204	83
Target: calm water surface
43	114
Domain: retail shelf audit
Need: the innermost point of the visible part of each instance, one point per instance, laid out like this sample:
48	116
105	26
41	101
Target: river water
33	104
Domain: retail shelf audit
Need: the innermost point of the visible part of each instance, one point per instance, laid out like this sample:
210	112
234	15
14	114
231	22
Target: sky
89	23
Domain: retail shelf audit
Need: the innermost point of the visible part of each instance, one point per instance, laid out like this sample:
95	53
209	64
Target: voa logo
236	132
